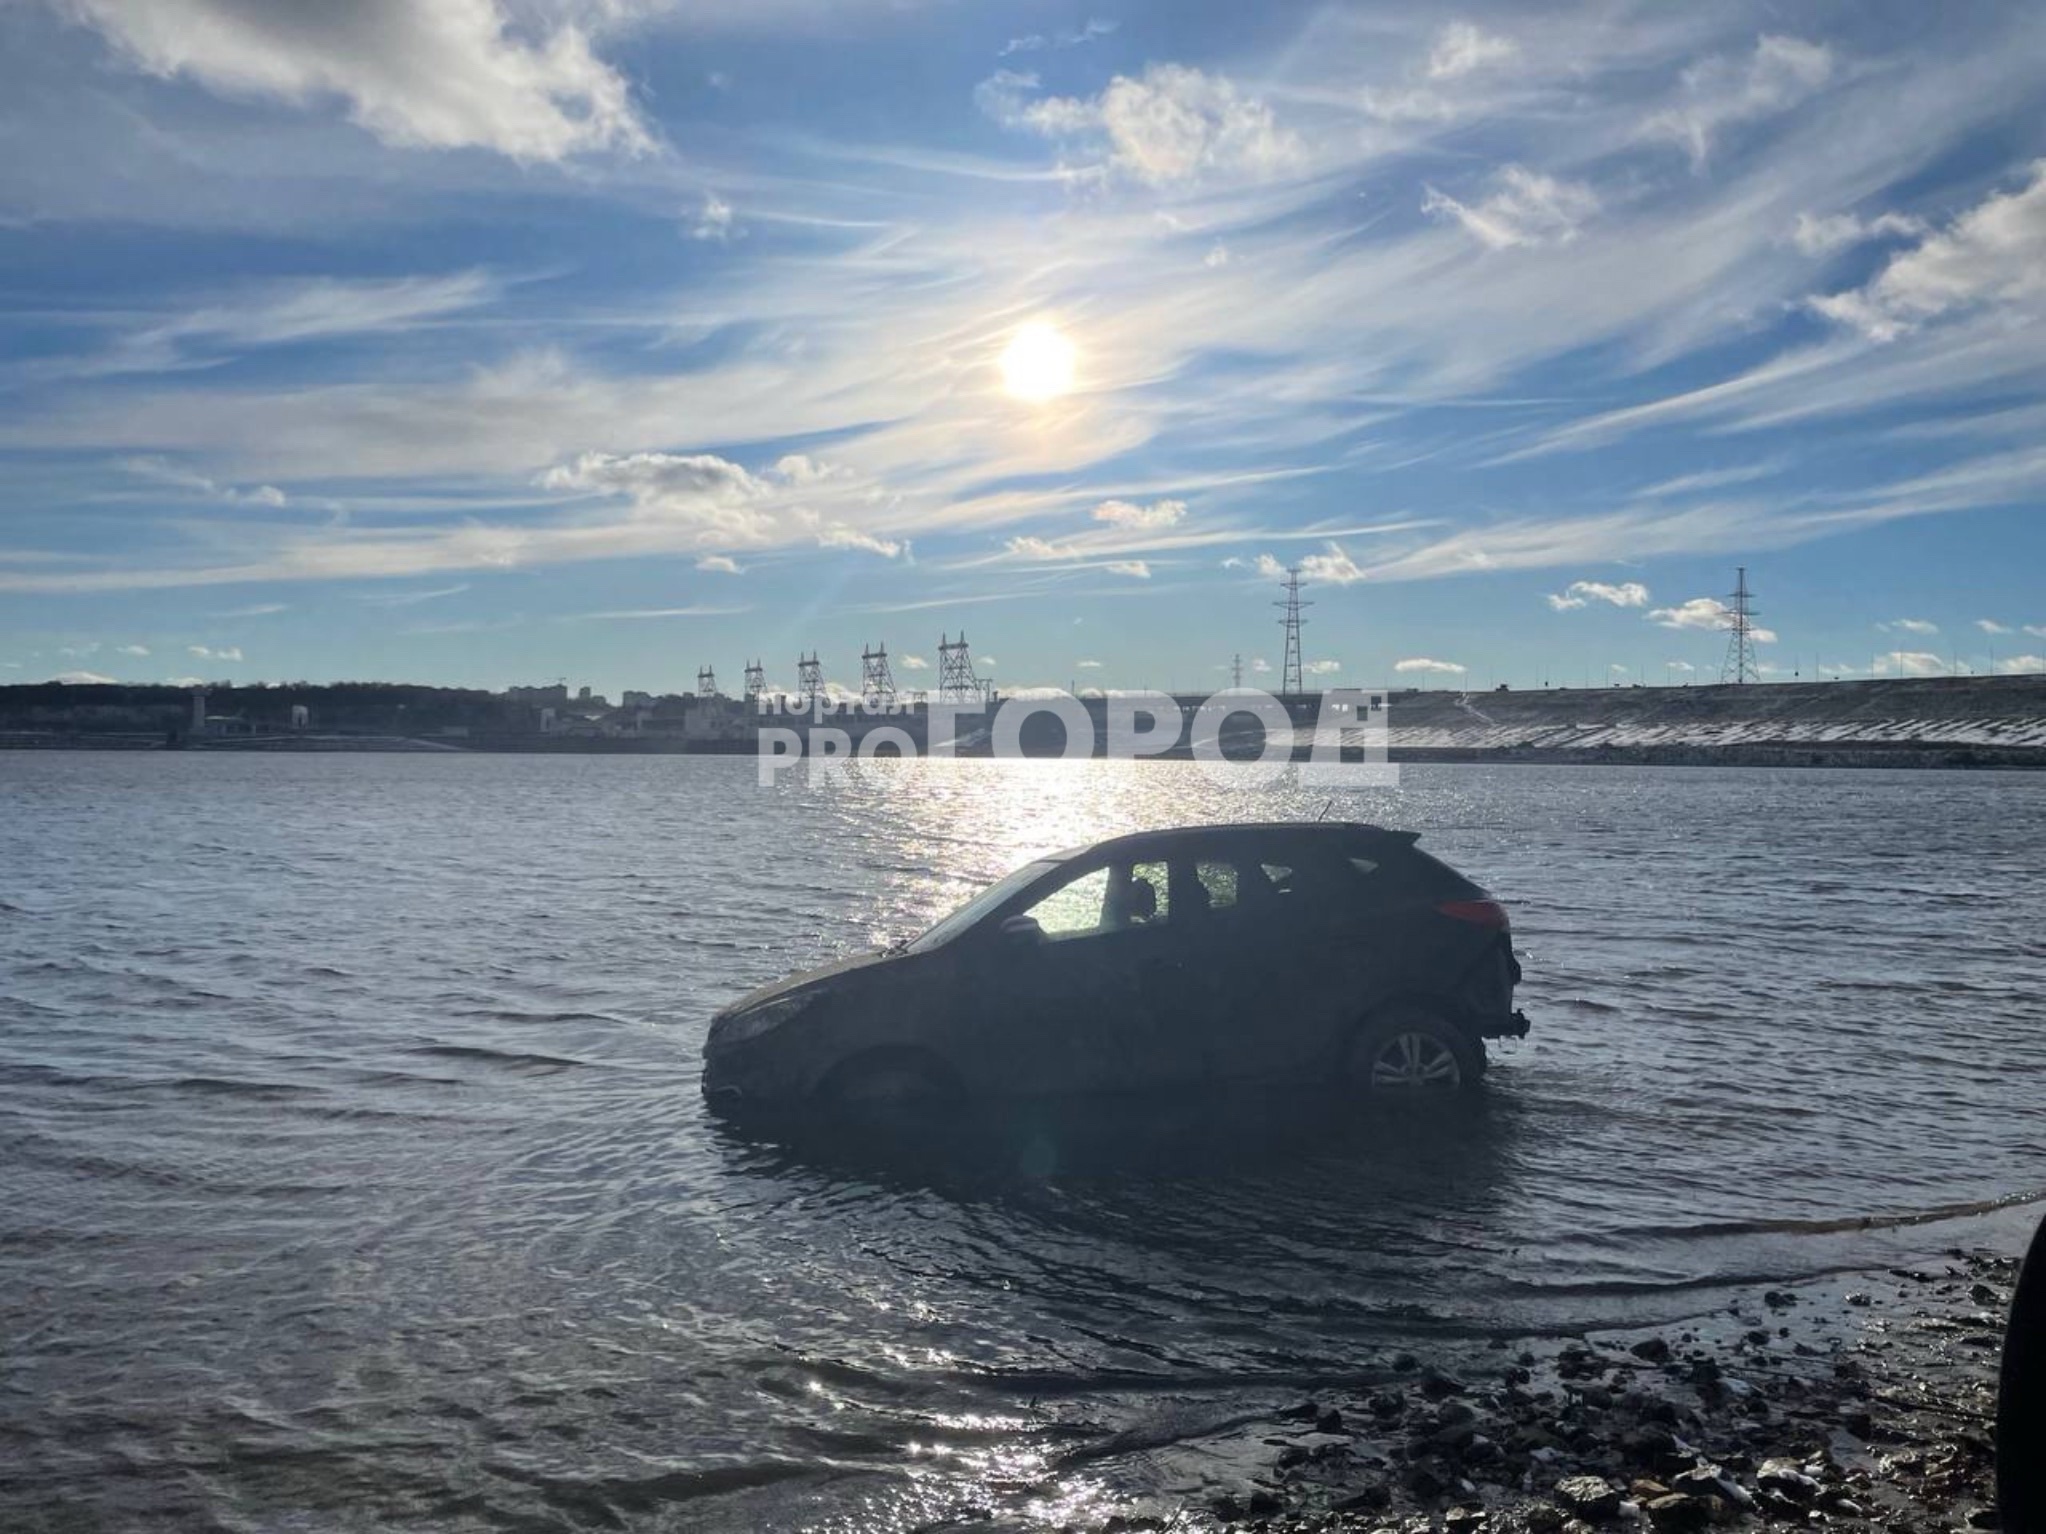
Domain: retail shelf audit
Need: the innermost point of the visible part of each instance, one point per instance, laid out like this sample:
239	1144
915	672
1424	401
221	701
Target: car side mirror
1021	930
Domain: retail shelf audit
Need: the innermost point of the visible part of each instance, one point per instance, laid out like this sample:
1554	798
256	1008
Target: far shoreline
1757	754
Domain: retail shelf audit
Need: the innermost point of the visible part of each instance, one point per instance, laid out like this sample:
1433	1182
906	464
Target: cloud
713	220
1680	665
913	663
1088	665
1406	104
1698	613
1217	257
284	312
1991	626
661	483
718	564
1321	667
1461	48
1158	514
1823	236
1705	613
1524	208
233	495
1135	568
1260	666
700	497
985	660
1918	626
1173	126
697	610
1995	253
1723	92
132	649
1582	593
1336	567
1912	663
231	652
1037	42
2020	665
1027	546
406	598
842	537
258	610
2036	630
1422	663
448	75
82	679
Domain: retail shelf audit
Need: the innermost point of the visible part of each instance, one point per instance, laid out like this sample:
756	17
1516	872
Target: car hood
824	976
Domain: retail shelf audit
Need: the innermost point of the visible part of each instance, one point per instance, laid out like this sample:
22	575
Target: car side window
1217	877
1138	908
1075	909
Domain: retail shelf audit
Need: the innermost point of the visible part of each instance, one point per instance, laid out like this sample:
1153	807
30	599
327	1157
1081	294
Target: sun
1037	364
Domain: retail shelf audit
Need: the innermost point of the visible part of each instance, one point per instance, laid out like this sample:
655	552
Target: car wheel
1411	1053
889	1081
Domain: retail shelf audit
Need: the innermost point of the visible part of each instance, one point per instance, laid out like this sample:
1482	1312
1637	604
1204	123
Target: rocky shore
1864	1403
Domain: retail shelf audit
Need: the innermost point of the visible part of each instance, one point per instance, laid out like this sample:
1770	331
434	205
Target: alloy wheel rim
1415	1062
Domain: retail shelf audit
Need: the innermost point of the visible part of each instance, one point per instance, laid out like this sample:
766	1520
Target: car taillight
1479	913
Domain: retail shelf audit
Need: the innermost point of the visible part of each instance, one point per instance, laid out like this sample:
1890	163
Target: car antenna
1326	808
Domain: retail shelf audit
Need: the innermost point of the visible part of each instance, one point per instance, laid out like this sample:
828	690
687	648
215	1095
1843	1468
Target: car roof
1170	839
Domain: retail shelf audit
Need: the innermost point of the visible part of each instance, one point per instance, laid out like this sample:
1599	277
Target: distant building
636	700
554	696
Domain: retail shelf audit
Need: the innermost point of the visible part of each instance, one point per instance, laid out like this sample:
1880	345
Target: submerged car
1205	956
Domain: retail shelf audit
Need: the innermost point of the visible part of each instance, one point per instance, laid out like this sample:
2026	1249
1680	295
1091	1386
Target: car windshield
986	901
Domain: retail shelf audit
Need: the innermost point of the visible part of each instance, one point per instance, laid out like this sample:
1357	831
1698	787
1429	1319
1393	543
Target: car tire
1412	1052
890	1081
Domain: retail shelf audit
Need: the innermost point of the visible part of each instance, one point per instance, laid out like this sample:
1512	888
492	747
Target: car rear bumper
1508	1025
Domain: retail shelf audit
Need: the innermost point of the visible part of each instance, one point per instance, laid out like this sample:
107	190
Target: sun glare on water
1037	364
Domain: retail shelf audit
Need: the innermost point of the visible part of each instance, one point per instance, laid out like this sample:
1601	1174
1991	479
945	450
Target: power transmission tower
956	680
1236	671
1291	678
756	681
809	679
877	682
1740	634
706	682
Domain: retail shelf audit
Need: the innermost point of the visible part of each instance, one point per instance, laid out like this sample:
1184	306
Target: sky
491	342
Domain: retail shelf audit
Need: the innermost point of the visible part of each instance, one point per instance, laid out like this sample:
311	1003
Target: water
355	1174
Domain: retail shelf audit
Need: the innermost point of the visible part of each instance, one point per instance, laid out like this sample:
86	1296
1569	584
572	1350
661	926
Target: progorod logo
1240	737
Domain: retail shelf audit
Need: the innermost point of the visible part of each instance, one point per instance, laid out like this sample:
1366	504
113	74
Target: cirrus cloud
1523	208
